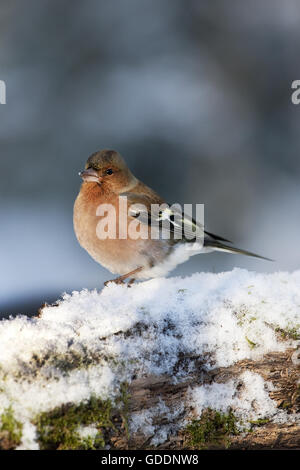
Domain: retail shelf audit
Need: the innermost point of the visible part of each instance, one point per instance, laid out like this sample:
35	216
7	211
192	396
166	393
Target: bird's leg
121	279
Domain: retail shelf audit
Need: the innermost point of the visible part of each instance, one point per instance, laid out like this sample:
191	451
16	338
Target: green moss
251	343
242	315
91	443
259	422
181	291
67	362
286	405
212	429
58	429
123	400
251	319
11	427
289	333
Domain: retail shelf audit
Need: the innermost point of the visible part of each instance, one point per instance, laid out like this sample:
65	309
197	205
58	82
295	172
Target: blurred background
196	96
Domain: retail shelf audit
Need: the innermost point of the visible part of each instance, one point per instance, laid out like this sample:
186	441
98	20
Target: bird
106	181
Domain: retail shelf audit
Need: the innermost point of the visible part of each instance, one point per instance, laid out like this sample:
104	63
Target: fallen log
210	361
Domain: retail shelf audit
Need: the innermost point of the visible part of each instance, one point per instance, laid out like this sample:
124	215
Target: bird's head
108	169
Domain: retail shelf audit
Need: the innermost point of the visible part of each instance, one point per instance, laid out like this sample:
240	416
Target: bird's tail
218	246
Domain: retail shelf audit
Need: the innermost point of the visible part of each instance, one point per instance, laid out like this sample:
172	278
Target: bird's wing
180	225
219	246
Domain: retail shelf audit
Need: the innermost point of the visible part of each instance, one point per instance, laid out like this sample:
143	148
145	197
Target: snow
251	403
144	422
225	317
87	431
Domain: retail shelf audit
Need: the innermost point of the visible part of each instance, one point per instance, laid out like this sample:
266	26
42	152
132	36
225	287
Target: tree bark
282	369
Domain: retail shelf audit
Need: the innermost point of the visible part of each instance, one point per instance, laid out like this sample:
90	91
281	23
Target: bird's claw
115	281
120	281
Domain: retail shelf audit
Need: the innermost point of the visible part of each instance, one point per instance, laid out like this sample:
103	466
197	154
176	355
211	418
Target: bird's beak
90	175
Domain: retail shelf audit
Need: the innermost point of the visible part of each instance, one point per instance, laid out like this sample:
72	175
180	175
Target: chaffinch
106	181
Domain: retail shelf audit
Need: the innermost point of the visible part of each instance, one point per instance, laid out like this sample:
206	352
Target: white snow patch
143	422
87	431
249	402
29	437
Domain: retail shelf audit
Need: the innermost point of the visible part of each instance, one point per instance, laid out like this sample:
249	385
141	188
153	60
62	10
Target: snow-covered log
202	362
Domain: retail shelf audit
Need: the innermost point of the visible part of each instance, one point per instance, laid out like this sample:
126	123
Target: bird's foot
130	282
121	279
115	281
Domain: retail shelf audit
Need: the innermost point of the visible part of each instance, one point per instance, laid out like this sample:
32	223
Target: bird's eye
109	171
